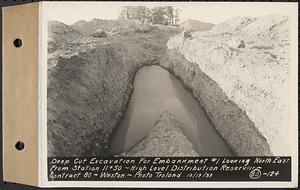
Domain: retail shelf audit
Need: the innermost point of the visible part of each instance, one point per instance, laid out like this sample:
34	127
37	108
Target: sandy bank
246	92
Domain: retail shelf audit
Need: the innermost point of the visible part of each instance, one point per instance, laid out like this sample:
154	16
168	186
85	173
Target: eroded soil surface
238	71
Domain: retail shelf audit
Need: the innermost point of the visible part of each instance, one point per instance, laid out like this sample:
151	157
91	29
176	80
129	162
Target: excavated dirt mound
165	139
253	77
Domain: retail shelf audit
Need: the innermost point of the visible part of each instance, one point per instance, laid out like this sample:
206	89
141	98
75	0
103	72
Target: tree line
165	15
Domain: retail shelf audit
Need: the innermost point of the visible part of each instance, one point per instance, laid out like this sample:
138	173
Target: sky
212	12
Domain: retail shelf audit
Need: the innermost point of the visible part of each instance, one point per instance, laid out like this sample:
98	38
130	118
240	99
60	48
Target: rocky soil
90	82
238	71
165	139
248	60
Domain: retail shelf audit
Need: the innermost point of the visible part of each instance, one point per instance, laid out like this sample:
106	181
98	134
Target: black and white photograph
151	81
135	80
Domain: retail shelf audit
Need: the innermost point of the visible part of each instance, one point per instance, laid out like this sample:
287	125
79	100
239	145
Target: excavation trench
155	91
92	110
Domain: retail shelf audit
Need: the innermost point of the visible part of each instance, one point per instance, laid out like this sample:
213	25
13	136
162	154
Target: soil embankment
90	83
238	71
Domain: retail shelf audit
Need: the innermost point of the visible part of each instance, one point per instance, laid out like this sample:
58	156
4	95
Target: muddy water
156	90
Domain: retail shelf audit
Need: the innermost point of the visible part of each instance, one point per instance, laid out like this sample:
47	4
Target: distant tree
124	13
148	14
166	15
176	17
135	13
158	15
169	12
141	14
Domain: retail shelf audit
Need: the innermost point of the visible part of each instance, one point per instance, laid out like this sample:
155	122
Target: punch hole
17	43
20	145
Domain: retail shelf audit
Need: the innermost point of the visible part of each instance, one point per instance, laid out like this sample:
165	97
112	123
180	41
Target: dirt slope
195	25
164	139
89	85
254	76
59	32
91	26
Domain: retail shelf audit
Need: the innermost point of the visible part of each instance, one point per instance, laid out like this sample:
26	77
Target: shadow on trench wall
88	95
233	124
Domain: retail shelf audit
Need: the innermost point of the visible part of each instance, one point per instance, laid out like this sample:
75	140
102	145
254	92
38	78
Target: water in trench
156	90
